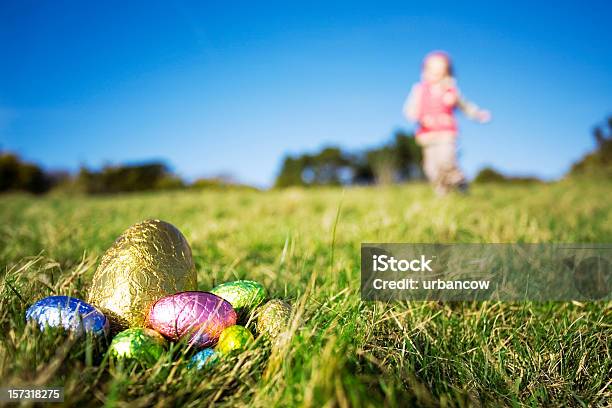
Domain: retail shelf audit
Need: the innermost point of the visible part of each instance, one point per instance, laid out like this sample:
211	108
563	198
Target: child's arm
472	111
412	106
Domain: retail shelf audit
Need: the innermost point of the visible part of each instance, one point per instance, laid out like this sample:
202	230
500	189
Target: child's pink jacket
432	107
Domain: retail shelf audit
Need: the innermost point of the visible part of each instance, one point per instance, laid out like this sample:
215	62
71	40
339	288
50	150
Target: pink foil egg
198	316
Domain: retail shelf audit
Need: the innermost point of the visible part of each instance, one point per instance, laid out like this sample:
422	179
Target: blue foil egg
69	313
204	359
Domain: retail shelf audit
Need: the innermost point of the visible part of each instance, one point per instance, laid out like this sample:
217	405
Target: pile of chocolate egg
145	290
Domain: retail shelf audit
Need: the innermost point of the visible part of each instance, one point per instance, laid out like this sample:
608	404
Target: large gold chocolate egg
149	260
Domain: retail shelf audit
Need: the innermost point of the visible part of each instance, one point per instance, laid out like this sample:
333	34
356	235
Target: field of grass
303	245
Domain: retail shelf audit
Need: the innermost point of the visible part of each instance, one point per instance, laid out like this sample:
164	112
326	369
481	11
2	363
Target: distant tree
170	182
59	177
16	174
291	172
331	166
9	172
397	161
362	169
116	179
392	162
384	163
490	175
220	182
598	163
209	184
409	155
33	179
326	168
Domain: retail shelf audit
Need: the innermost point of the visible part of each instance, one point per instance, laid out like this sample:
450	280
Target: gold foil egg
149	260
273	318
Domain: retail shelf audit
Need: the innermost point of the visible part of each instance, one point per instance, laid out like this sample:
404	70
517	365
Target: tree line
398	160
598	163
19	175
16	174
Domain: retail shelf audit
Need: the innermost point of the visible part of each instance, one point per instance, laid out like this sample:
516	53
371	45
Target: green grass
303	245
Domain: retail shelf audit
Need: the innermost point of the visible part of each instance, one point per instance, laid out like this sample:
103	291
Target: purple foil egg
199	316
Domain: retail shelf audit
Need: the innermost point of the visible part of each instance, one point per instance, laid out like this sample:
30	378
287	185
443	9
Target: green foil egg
273	318
234	339
243	295
139	344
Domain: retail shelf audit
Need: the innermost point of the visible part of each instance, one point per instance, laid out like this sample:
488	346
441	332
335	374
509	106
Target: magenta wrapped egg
199	317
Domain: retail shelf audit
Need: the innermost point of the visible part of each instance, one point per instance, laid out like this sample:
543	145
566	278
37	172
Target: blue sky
232	87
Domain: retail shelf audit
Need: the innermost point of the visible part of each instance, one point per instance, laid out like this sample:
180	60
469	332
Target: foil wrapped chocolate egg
149	260
205	358
234	339
69	313
244	295
139	344
198	317
273	318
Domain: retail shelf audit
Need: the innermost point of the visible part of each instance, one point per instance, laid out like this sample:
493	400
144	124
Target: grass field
304	246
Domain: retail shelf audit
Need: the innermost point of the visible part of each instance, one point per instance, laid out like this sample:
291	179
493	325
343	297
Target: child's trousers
440	160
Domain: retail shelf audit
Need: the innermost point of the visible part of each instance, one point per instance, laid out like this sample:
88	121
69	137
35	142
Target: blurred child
431	104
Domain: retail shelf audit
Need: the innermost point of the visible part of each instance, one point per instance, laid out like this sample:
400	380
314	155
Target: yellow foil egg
149	260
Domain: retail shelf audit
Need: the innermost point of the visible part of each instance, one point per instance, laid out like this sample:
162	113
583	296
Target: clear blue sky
233	86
